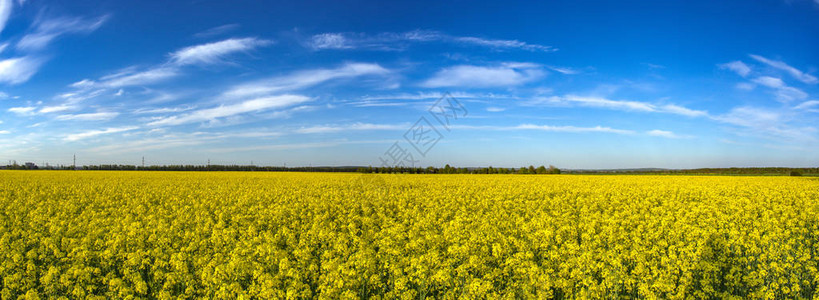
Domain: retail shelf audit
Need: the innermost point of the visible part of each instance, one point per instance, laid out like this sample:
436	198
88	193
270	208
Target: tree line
447	169
408	170
453	170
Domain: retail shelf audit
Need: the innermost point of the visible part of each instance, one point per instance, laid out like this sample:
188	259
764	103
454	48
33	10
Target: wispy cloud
330	41
782	91
56	108
564	70
216	52
574	129
624	105
5	11
811	105
390	41
352	127
93	133
504	75
149	76
295	146
550	128
97	116
5	132
20	69
47	29
163	110
436	95
750	117
218	30
768	123
22	110
210	114
175	140
303	79
737	67
666	134
504	44
794	72
202	54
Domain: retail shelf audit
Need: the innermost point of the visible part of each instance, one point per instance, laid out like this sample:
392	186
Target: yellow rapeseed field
164	235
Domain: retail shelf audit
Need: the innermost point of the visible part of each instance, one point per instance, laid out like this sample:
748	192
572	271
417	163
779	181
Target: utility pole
143	162
75	161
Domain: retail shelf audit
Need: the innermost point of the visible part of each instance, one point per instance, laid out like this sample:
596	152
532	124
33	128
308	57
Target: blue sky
576	84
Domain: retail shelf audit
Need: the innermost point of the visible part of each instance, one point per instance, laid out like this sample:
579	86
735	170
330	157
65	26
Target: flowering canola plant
228	235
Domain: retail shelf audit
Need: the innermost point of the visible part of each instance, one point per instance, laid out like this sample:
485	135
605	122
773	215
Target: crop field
101	234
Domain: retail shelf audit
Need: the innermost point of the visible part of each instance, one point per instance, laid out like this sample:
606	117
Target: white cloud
47	30
210	53
610	104
390	41
794	72
573	129
564	70
330	41
782	91
93	133
163	110
625	105
737	67
218	30
566	129
98	116
436	95
300	146
5	132
56	108
495	109
304	79
25	110
665	134
745	86
679	110
504	44
210	114
20	69
767	123
85	83
750	116
215	52
812	106
150	76
175	140
5	12
505	75
352	127
82	95
770	82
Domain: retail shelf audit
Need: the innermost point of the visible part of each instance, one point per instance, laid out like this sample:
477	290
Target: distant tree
541	170
796	173
553	170
532	169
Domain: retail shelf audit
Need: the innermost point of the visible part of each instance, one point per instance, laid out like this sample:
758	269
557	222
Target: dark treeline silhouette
408	170
709	171
453	170
428	170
